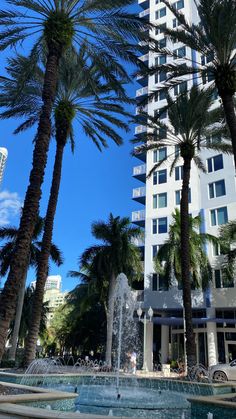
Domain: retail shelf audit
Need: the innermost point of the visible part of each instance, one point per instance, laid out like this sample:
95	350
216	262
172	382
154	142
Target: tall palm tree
7	253
80	98
227	238
105	261
168	259
110	32
28	301
190	123
214	39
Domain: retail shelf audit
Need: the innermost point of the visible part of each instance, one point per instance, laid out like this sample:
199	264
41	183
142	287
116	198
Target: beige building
55	299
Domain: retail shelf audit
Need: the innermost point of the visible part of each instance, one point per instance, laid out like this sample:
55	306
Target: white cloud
10	206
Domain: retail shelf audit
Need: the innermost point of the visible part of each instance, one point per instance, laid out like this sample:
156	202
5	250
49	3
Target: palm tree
109	32
6	254
227	240
79	98
168	259
190	123
214	38
27	313
105	261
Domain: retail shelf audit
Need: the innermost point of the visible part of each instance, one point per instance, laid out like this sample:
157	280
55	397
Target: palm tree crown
168	259
108	29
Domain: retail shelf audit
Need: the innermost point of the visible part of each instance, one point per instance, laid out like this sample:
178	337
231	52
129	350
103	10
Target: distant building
3	158
53	294
53	282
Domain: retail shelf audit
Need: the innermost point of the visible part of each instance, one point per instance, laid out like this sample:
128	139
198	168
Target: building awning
178	321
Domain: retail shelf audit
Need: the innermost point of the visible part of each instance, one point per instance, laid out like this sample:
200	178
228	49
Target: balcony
139	172
145	14
140	130
144	58
141	156
144	4
138	217
140	93
143	80
141	109
139	195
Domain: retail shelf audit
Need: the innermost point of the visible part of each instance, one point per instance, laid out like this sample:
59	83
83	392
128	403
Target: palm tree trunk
15	334
31	205
42	270
185	265
230	115
110	316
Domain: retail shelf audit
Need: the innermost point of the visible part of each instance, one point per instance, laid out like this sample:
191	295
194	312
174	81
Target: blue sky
93	185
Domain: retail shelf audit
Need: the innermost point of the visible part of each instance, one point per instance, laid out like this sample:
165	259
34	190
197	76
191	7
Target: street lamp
150	315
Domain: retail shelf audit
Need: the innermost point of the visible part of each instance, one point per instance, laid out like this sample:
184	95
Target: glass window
217	278
162	225
162	283
162	95
162	59
162	12
179	53
177	149
181	88
154	282
216	249
154	201
179	4
179	173
217	189
154	251
219	216
162	176
162	153
155	178
162	76
154	226
215	163
162	200
155	154
177	197
162	43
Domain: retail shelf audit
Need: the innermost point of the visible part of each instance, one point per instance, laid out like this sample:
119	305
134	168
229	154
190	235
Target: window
221	281
163	283
161	13
154	282
160	76
176	23
159	155
162	133
181	88
160	60
178	197
162	225
160	113
161	28
179	4
179	173
162	200
177	148
154	201
179	52
154	251
154	226
215	163
219	216
216	249
160	95
162	43
217	189
160	177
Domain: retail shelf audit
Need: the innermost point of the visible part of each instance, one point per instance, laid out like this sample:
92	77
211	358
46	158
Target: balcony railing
138	216
144	14
139	170
141	92
140	129
139	192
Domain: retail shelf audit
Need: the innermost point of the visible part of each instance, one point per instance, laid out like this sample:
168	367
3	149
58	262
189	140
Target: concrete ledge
13	411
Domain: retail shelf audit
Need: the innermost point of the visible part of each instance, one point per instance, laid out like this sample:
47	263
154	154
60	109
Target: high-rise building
3	158
52	282
213	195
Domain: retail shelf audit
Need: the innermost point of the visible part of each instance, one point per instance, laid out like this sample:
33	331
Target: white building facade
3	159
213	195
